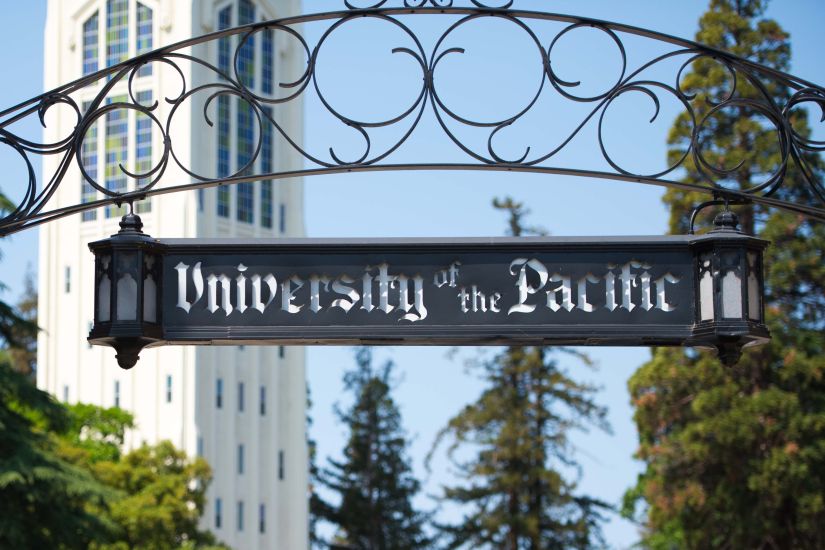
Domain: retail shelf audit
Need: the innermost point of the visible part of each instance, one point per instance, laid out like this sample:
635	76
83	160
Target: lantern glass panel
149	291
706	287
754	296
731	287
127	288
104	290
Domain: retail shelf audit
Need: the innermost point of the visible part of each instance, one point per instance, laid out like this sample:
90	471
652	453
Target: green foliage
97	432
65	484
374	480
316	505
16	331
163	498
45	500
23	331
735	457
516	495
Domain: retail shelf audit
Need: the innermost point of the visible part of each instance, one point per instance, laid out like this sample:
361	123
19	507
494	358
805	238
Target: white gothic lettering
395	292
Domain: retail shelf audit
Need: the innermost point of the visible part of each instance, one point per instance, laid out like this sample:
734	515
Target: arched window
237	119
121	41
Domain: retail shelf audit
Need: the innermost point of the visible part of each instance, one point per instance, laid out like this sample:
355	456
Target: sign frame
169	324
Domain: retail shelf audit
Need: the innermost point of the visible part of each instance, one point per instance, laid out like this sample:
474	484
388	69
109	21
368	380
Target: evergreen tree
23	354
316	505
516	492
735	457
374	480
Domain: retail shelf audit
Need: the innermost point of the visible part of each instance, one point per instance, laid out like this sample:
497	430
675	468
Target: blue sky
491	79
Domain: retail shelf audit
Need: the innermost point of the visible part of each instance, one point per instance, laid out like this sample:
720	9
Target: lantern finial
131	223
726	221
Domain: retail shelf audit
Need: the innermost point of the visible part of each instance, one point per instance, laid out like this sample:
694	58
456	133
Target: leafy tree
516	492
374	480
735	457
157	492
64	482
46	501
164	496
13	325
96	433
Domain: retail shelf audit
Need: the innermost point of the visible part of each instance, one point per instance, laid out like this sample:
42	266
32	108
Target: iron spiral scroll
795	148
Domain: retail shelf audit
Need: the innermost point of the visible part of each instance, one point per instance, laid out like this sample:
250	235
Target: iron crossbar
794	184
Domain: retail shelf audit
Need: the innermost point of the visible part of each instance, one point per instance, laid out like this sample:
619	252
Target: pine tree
316	505
516	494
735	457
374	480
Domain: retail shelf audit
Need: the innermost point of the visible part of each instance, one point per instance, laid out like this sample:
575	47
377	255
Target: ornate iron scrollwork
792	146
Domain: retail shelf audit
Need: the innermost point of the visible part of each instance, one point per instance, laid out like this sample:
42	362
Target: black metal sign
680	290
430	292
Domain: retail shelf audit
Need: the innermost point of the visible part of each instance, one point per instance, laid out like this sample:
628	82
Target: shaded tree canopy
735	457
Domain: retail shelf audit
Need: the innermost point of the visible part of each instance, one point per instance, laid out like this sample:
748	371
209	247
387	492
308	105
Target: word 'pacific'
533	277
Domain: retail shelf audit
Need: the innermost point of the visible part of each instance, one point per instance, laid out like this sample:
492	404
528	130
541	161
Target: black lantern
730	313
127	301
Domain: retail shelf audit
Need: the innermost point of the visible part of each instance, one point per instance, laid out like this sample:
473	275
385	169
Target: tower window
263	400
223	154
90	45
281	464
88	159
262	518
117	31
67	280
117	393
224	53
219	393
65	393
281	352
117	140
240	397
266	168
224	44
246	54
282	218
240	458
200	446
143	147
268	61
240	515
245	144
218	512
168	388
144	36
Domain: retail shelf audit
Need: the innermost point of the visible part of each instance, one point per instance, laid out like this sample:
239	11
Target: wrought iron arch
793	147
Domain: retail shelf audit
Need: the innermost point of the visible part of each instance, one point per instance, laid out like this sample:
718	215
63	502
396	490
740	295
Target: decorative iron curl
779	115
